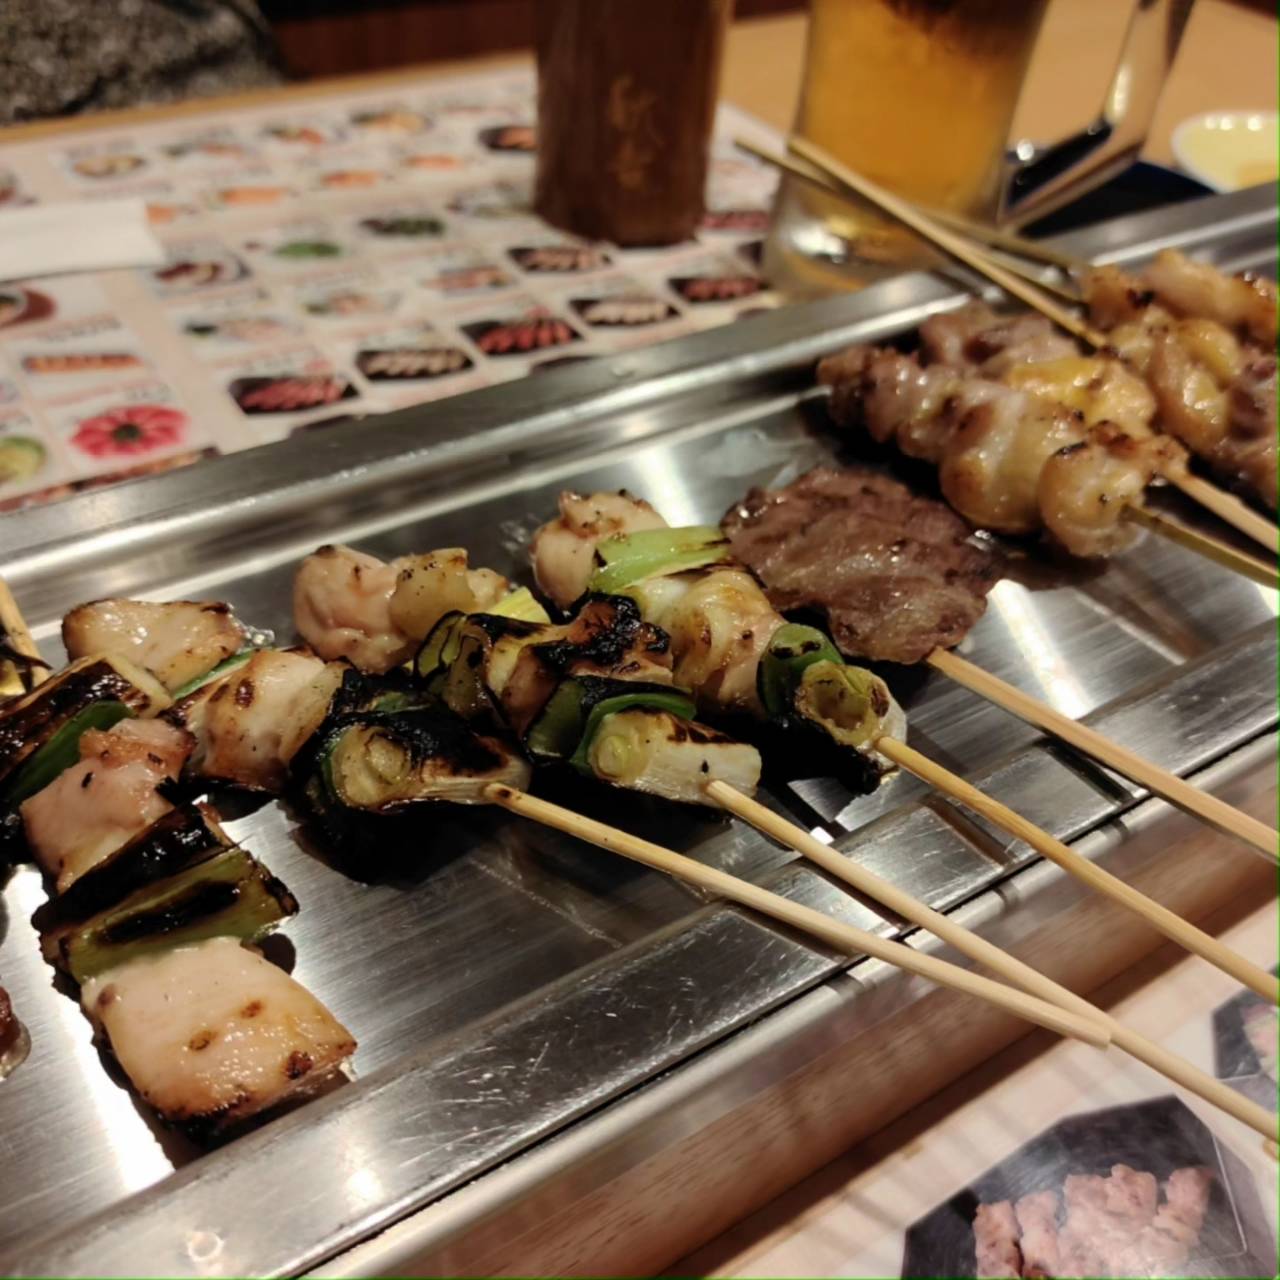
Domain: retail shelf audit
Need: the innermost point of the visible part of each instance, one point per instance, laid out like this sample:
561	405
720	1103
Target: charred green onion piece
666	755
230	895
382	762
629	558
214	673
441	645
792	649
575	709
62	750
40	732
847	702
522	605
175	841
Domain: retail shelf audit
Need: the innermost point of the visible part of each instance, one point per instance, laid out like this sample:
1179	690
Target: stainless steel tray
516	981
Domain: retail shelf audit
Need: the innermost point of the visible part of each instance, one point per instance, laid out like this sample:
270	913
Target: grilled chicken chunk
213	1033
347	604
177	641
976	337
1244	303
99	804
563	550
1085	488
991	471
431	585
342	608
250	724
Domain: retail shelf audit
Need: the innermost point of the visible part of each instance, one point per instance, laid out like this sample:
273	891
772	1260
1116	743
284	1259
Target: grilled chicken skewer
556	539
153	900
598	691
731	648
1206	344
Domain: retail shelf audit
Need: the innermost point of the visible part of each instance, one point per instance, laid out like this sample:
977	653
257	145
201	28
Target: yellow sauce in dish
1230	150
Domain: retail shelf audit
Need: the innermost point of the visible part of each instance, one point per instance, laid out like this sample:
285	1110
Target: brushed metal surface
516	981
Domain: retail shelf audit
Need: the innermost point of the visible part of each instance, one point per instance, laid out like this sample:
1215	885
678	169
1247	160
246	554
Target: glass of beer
919	96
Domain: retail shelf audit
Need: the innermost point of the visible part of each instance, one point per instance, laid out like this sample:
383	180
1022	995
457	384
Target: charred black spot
86	780
185	909
297	1065
218	607
155	759
879	700
252	1009
244	692
201	1040
176	840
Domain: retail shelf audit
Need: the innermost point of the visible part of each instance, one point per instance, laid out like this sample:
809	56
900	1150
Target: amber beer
626	102
918	95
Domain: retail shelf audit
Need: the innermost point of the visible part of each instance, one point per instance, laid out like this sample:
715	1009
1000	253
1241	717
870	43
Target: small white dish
1229	150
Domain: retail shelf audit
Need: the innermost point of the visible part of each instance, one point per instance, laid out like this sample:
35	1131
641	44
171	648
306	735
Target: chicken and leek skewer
86	766
595	693
735	653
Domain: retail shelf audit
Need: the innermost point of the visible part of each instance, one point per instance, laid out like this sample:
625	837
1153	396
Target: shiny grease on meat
896	575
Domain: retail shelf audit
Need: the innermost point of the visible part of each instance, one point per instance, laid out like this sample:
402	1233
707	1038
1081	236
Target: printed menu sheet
1067	1162
340	256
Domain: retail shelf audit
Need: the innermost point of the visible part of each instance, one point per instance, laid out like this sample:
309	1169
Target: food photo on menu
607	610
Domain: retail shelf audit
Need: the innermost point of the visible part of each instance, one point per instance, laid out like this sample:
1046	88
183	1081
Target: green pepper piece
792	648
62	750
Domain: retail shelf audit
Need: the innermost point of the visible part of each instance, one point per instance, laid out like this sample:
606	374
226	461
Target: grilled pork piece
895	574
211	1034
97	805
177	642
995	1242
249	724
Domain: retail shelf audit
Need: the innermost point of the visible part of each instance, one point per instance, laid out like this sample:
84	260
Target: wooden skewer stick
949	242
17	635
1010	244
1158	781
1229	508
1202	544
1167	922
835	933
1210	496
987	954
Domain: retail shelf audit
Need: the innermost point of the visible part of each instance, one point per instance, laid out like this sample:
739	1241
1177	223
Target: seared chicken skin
211	1034
177	641
992	441
1085	488
249	724
99	804
347	604
1205	342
